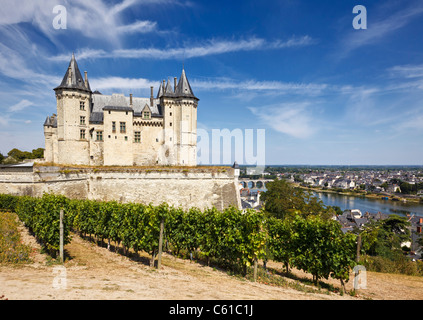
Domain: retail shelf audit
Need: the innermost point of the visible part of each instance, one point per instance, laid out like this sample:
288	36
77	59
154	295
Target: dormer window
146	113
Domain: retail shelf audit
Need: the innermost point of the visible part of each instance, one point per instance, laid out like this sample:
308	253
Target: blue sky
325	92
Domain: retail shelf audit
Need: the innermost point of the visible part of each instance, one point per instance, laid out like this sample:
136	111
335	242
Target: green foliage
384	238
38	153
399	265
12	250
42	216
19	155
314	245
283	200
234	238
8	202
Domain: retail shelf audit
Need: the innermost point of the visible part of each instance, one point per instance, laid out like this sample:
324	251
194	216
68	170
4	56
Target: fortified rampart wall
201	187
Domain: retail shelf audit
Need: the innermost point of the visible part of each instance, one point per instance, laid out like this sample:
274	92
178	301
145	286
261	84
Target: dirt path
96	273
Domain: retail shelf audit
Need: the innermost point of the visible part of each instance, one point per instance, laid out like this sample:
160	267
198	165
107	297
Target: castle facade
90	128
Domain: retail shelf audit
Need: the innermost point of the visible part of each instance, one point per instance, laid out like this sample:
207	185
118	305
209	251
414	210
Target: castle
105	130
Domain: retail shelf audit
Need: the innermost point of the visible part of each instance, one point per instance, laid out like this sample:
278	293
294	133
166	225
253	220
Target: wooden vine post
61	236
159	261
255	269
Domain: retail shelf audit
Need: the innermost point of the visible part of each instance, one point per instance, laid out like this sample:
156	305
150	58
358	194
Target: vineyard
233	239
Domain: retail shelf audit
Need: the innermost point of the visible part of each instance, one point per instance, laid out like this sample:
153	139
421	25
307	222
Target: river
369	204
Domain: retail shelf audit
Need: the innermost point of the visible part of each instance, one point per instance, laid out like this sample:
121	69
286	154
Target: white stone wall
199	187
118	145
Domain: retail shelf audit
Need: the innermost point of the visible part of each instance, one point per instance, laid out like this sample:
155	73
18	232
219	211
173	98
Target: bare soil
94	272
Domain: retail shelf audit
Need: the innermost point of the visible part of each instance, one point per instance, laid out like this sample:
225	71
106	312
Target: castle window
82	134
126	138
99	135
146	115
81	105
123	127
170	124
81	120
137	136
113	126
170	114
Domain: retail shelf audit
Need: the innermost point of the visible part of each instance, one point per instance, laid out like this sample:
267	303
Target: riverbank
365	194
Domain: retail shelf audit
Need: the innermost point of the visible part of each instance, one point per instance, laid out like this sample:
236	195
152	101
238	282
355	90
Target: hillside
96	273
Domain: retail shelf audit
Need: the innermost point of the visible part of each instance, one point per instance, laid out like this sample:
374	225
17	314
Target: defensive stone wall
201	187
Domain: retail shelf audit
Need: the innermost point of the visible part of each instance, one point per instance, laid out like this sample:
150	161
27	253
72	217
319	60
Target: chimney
151	97
164	85
130	99
86	79
174	81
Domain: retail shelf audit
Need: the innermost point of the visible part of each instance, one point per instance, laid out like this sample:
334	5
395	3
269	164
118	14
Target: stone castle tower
95	129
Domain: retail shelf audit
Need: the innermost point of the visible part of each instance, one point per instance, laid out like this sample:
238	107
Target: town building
90	128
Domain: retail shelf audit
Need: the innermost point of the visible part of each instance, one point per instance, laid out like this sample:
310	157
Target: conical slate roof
73	78
183	88
160	92
168	88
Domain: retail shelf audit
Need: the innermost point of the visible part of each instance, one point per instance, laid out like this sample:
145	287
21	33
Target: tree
17	154
38	153
283	200
1	158
22	155
384	238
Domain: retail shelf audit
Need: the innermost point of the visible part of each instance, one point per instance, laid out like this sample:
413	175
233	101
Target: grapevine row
232	237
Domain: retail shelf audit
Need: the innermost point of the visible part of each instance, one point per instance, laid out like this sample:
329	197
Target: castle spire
73	78
183	88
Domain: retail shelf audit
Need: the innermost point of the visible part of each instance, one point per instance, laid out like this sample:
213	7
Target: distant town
397	183
404	181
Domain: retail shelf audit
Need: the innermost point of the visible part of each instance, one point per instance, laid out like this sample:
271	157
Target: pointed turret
160	92
168	90
47	123
73	78
183	88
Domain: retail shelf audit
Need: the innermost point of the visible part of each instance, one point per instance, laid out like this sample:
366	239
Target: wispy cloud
138	27
407	71
380	29
110	83
20	106
293	119
94	19
207	48
13	65
269	87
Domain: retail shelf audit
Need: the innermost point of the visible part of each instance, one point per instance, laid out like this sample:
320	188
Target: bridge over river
254	183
